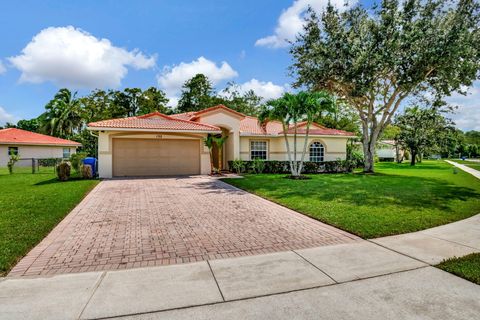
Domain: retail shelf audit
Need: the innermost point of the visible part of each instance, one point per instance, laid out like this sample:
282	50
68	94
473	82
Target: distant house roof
14	136
155	121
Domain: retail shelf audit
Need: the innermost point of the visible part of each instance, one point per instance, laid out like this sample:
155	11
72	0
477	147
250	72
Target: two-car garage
155	157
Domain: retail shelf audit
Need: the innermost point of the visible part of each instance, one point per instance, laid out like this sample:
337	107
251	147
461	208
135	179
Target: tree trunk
369	159
304	150
220	158
210	151
413	156
287	144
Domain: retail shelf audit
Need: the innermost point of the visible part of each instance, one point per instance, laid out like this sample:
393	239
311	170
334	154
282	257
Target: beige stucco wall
39	152
335	147
105	165
231	123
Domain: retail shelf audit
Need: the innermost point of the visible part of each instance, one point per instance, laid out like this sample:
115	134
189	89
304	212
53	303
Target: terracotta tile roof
250	125
154	121
18	136
317	129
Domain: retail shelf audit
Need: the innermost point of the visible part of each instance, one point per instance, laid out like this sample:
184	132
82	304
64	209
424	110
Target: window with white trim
12	150
66	153
317	152
258	150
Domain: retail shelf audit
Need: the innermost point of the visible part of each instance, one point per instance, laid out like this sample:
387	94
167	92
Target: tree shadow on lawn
55	180
379	190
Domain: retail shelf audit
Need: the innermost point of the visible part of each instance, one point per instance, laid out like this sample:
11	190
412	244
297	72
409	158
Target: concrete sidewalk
473	172
384	278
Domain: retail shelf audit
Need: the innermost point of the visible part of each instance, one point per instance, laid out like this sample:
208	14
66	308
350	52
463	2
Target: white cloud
266	90
467	116
69	56
173	77
6	117
3	69
291	21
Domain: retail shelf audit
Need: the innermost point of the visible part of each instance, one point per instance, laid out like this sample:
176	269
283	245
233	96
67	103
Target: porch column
236	145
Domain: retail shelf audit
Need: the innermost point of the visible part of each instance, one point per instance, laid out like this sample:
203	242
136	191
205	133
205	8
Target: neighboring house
157	144
28	145
387	150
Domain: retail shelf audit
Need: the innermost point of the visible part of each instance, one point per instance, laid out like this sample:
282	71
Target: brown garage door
144	157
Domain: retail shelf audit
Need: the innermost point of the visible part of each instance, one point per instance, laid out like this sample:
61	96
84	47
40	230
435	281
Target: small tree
290	110
421	130
11	161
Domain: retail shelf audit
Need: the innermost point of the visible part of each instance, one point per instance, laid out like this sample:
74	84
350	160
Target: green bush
237	165
63	171
11	162
273	166
76	160
258	166
87	172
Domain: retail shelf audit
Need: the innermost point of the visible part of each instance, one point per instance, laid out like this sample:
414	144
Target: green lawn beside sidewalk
467	267
30	206
396	199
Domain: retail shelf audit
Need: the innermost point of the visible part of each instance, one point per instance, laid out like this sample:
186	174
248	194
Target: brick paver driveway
146	222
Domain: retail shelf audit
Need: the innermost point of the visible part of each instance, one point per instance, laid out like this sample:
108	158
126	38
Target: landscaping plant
292	110
63	171
11	161
237	165
76	160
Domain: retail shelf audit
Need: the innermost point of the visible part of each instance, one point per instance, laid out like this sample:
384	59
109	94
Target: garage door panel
144	157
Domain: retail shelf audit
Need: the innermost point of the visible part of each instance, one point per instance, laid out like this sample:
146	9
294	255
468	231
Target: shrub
237	165
273	166
11	162
76	160
63	171
258	166
87	172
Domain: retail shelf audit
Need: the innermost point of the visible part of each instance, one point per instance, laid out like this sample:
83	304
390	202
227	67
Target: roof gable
218	108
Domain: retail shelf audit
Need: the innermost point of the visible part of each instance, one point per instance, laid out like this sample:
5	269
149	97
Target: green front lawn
30	206
467	267
397	199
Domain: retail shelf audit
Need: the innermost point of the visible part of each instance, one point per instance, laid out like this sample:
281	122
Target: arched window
316	152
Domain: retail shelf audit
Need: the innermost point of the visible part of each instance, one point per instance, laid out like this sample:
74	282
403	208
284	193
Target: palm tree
220	141
62	117
209	141
291	109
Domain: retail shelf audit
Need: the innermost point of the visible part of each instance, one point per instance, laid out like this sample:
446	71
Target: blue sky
115	44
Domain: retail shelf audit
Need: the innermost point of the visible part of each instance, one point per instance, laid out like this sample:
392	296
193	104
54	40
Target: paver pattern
149	222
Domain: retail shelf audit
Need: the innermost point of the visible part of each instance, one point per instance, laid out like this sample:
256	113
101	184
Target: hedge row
273	166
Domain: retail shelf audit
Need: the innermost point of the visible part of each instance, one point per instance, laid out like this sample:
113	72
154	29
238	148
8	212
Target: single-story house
159	144
28	145
388	150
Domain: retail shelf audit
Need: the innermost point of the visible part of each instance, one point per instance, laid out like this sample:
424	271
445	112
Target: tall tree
374	60
32	125
244	102
197	94
152	100
290	110
422	130
62	116
343	118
